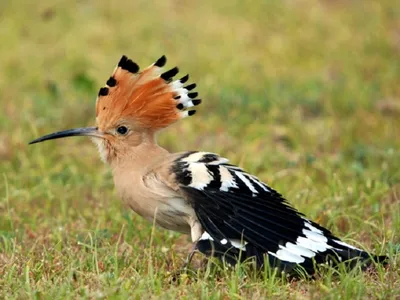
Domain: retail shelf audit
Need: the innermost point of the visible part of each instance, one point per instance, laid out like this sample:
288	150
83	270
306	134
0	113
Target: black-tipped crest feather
184	78
161	61
169	74
128	65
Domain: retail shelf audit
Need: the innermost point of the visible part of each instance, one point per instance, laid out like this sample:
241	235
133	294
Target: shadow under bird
229	213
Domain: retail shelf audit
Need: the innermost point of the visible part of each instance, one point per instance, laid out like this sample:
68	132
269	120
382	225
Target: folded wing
243	217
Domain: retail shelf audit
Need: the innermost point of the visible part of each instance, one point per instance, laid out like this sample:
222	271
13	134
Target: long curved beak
88	131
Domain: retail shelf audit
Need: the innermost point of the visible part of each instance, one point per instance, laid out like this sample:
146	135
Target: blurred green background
303	93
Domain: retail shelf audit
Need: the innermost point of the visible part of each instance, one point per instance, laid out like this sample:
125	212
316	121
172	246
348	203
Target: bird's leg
184	268
190	256
196	233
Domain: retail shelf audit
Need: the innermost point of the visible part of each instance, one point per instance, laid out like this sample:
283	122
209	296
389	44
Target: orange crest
151	98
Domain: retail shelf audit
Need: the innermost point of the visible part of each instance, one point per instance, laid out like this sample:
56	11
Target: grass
304	93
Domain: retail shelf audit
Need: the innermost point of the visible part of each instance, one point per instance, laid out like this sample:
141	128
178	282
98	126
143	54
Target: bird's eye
122	130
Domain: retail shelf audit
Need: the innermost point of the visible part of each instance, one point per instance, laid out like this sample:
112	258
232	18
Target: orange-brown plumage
146	98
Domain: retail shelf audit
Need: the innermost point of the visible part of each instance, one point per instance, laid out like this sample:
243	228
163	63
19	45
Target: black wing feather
249	211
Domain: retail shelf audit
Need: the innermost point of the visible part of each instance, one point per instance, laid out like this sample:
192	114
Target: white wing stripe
260	184
246	182
220	161
346	245
308	246
194	157
227	180
312	245
312	228
315	236
296	253
201	177
299	250
285	255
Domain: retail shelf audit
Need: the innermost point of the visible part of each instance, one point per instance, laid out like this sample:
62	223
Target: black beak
88	131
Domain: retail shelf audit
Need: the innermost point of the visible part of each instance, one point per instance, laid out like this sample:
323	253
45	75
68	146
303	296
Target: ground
304	94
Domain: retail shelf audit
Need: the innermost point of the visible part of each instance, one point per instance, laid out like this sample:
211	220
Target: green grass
305	94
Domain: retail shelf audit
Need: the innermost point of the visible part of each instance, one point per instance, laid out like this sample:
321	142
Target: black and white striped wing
245	218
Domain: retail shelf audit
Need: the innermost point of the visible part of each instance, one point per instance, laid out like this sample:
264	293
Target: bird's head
133	106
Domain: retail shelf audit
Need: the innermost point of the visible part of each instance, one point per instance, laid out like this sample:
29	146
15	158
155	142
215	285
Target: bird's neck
138	158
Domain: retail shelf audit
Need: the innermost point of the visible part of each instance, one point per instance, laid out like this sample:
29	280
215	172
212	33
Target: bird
228	213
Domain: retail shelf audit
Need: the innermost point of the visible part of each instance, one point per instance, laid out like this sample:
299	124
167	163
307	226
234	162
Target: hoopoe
229	213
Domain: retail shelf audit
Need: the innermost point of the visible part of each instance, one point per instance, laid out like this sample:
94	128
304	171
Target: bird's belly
172	214
172	221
